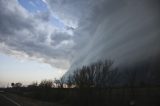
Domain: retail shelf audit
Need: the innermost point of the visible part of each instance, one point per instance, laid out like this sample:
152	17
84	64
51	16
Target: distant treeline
100	84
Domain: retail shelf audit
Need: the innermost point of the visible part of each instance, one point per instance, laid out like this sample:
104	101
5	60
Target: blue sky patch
56	22
33	5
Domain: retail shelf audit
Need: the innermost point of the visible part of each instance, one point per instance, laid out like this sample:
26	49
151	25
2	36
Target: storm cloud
120	30
112	29
26	34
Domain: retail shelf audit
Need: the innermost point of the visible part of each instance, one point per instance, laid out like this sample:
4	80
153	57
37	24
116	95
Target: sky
45	39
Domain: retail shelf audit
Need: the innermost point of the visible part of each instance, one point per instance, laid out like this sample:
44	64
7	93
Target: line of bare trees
101	74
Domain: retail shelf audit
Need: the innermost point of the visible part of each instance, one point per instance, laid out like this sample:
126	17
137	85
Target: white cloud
24	34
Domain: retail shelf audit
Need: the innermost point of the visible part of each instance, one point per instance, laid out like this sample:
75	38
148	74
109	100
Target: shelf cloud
90	30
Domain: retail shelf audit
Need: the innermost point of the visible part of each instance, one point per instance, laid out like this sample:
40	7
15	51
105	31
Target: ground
23	101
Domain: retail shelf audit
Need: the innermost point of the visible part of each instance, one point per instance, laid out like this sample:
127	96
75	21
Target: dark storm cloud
122	30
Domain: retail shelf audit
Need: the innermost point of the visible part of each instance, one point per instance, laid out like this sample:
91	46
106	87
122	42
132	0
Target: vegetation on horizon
98	84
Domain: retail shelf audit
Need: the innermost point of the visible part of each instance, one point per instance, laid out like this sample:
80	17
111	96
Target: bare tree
60	82
70	81
16	85
100	74
12	84
46	84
